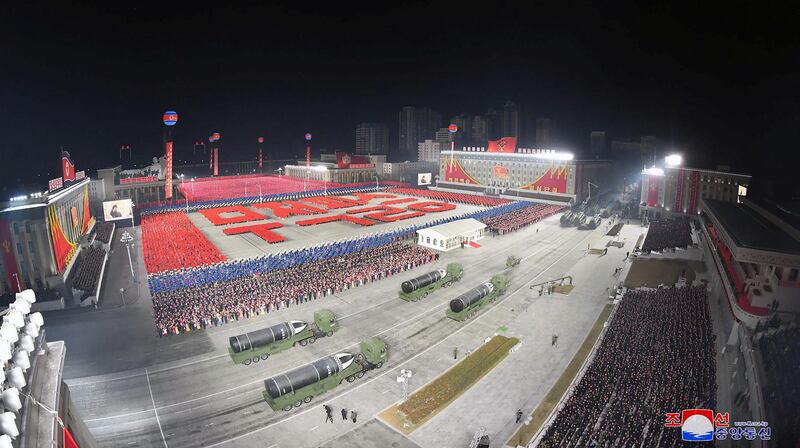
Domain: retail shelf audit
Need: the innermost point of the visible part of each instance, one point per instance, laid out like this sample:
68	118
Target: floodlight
673	160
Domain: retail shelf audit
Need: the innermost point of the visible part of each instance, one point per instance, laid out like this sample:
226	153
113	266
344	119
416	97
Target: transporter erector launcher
302	384
471	302
419	287
257	345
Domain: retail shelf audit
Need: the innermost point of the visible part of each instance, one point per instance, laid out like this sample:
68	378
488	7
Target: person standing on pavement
455	352
328	413
353	415
344	414
519	415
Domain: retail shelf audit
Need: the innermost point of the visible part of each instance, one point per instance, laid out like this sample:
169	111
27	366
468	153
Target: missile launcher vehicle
419	287
467	305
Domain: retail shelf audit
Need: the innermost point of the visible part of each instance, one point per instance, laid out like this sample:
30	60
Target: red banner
67	168
693	181
500	171
216	161
9	261
652	190
87	214
505	144
260	159
678	207
168	174
454	172
554	180
63	248
69	442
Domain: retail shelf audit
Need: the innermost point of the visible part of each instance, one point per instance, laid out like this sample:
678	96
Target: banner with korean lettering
652	190
216	161
9	260
678	206
168	174
694	180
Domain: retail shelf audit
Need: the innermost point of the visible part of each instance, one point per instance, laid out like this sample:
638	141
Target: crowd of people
232	187
518	219
103	231
171	241
657	356
89	267
463	198
780	352
667	233
202	275
215	304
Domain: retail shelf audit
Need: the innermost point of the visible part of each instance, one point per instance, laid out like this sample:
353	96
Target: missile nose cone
345	359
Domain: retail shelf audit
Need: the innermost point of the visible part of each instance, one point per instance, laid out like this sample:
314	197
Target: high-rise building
544	132
416	124
429	151
494	125
650	146
597	143
372	138
478	133
511	122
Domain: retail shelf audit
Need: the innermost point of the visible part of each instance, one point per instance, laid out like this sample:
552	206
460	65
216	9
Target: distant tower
511	120
544	132
372	138
416	124
597	143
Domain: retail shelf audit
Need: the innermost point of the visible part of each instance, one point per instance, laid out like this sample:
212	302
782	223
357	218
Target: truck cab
325	321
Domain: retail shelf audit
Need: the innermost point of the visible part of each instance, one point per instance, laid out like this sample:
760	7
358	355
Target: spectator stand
103	232
88	279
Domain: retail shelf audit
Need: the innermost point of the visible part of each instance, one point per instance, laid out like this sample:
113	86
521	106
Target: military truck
467	305
512	261
301	385
257	345
419	287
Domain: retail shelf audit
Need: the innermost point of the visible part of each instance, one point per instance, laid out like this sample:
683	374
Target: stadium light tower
673	160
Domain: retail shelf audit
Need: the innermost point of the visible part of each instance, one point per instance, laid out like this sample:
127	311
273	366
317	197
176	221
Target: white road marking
476	319
312	429
147	375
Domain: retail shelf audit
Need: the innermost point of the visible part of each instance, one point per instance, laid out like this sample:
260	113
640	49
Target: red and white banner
694	179
678	206
67	168
55	184
9	261
80	175
505	144
168	174
652	190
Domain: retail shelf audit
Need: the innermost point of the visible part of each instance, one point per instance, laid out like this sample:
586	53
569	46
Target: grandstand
90	266
667	234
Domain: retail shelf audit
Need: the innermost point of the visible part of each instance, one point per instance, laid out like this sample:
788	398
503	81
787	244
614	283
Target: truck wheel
264	356
288	407
308	399
246	362
303	343
298	403
312	340
329	333
256	359
360	374
351	378
379	365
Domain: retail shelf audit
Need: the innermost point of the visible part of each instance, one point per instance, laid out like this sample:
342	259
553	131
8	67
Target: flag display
652	191
168	174
499	171
67	168
505	144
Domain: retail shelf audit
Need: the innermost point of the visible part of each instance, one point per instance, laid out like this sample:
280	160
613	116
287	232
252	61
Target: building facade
372	138
429	151
511	120
678	190
597	143
540	174
544	132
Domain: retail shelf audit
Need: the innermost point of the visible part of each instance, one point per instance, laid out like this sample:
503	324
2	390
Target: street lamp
122	293
126	239
377	182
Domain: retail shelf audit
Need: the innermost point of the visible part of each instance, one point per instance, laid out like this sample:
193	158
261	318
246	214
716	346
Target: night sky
719	82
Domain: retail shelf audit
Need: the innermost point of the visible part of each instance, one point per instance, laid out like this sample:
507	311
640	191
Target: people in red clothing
509	222
171	241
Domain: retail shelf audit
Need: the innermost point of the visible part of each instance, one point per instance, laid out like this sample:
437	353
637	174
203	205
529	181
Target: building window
28	227
30	247
19	248
793	275
16	228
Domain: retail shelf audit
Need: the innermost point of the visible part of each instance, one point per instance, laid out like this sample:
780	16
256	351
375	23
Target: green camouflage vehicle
301	385
471	302
417	288
258	345
512	261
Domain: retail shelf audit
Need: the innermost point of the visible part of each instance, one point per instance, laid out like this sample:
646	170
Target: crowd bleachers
657	356
780	352
667	233
104	231
88	272
518	219
463	198
171	241
200	307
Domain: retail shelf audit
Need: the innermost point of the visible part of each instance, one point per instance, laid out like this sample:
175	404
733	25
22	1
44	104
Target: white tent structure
448	236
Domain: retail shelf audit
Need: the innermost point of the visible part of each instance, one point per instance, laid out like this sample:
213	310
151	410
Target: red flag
505	144
67	168
500	171
168	174
69	442
652	191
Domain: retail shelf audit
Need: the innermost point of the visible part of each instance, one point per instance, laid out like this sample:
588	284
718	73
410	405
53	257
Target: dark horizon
721	84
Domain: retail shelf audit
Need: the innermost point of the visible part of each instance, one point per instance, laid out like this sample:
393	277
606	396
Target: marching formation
88	272
171	241
451	197
667	233
657	356
216	304
518	219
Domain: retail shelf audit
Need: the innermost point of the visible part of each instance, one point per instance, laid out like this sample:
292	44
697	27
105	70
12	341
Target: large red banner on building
9	261
505	144
346	160
678	206
554	180
652	190
694	179
67	168
168	174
